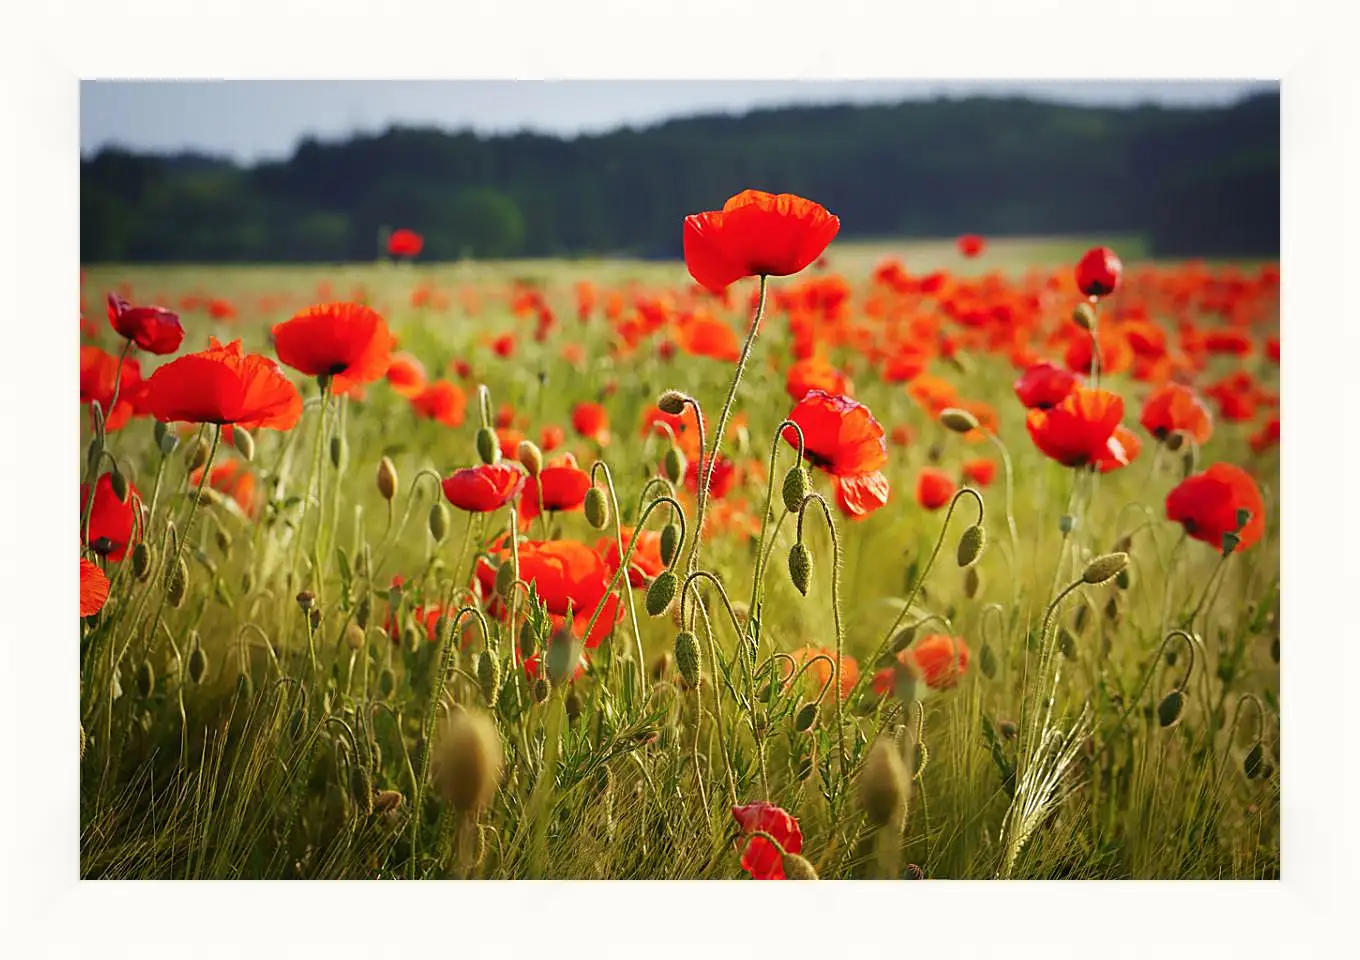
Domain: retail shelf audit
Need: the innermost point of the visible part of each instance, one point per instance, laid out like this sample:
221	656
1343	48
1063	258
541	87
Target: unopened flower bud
1174	440
805	718
903	639
197	455
314	617
1104	567
354	636
439	521
243	442
1230	542
505	578
596	508
363	609
489	675
1170	709
530	457
688	659
562	656
670	542
387	682
672	403
141	560
540	689
883	784
338	450
1254	762
166	439
177	583
198	664
387	478
673	465
971	544
661	593
798	867
987	661
119	485
797	485
972	582
960	421
488	448
468	761
1066	524
800	567
145	679
1084	315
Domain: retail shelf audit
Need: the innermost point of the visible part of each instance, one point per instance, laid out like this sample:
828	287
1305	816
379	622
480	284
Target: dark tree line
1202	182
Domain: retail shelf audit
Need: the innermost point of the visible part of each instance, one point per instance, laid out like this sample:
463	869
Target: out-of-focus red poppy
406	374
902	435
504	346
934	488
756	234
684	426
485	487
1272	349
568	577
970	245
113	523
644	564
821	672
442	400
1267	437
980	471
938	660
703	335
405	243
1233	343
222	385
1175	408
153	329
348	342
564	486
1044	385
235	480
551	437
1098	272
761	858
1078	430
591	421
934	394
98	373
842	438
720	482
94	588
1207	505
816	374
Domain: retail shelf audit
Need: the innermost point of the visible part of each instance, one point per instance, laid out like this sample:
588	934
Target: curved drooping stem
835	613
600	465
761	557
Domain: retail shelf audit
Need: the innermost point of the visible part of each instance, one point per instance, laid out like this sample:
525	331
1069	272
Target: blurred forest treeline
1192	182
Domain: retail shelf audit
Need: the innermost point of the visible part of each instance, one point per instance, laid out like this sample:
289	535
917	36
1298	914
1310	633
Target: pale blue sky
254	119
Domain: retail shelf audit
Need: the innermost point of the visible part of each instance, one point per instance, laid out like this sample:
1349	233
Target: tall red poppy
564	487
442	400
98	373
406	374
1078	430
348	342
980	471
842	438
1175	408
760	857
1207	505
153	329
567	576
113	523
405	243
703	335
756	234
591	420
1044	385
485	487
1098	272
222	385
94	588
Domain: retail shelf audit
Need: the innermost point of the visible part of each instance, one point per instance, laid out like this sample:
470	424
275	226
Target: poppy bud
338	451
119	485
688	659
198	664
914	872
1169	710
1123	544
487	446
439	521
1067	645
883	784
673	465
800	567
805	718
960	421
1253	762
363	610
197	455
1124	579
469	761
970	545
306	600
672	403
505	578
1084	316
361	789
796	487
596	508
972	583
489	675
530	457
1104	567
248	581
540	689
354	636
987	661
145	679
670	543
166	439
1080	619
243	442
798	867
1066	524
141	560
661	593
1112	610
387	478
528	640
223	541
177	583
904	638
1230	542
562	656
387	682
573	705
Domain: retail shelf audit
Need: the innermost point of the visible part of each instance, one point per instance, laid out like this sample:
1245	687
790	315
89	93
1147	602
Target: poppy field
798	559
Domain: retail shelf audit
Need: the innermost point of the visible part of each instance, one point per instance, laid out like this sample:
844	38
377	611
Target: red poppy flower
485	487
94	588
504	346
591	421
815	374
233	479
901	435
564	487
980	471
1233	343
113	523
405	243
348	342
551	437
938	660
720	482
222	385
970	245
1175	408
1207	505
154	329
703	335
1122	450
443	401
1267	437
644	565
1078	430
761	858
756	234
934	488
861	494
841	437
98	372
567	576
1098	272
406	374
